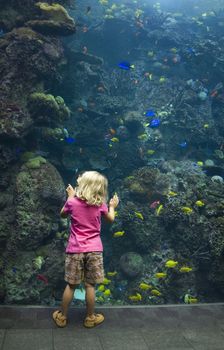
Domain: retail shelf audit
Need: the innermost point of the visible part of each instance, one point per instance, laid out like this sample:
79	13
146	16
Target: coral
44	107
56	20
35	163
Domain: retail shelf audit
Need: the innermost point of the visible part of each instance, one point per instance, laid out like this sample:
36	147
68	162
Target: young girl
84	258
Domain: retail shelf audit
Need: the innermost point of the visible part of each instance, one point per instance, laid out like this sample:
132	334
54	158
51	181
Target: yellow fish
186	210
112	274
118	234
103	2
143	137
144	286
115	213
106	281
173	50
150	152
185	269
139	215
156	292
114	139
158	210
171	264
193	300
107	293
150	53
146	125
113	7
200	203
162	80
172	194
206	126
138	13
160	275
136	297
101	288
100	299
199	163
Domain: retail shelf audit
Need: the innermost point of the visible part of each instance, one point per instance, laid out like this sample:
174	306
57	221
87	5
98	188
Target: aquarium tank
133	89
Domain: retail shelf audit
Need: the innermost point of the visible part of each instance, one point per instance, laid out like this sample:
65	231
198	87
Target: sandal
59	319
91	322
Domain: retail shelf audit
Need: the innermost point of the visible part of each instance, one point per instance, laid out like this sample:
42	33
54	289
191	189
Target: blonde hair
92	187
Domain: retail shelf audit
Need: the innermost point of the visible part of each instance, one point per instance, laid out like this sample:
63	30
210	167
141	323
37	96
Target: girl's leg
90	299
67	298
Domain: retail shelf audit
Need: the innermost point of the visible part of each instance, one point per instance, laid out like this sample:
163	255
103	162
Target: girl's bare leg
90	299
67	298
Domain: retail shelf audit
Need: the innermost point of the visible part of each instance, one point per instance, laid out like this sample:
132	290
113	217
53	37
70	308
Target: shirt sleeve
68	206
103	209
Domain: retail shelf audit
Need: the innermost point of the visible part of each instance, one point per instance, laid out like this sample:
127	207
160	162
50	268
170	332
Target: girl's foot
59	319
92	321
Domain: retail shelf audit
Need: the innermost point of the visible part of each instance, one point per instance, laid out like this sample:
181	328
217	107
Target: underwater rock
217	178
132	122
15	121
131	264
35	211
56	20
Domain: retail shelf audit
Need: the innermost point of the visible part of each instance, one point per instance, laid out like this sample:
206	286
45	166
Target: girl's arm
71	193
110	216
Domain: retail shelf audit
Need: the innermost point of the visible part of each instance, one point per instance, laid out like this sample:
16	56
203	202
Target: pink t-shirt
85	226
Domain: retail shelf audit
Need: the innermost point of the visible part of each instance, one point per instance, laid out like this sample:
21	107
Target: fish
149	113
103	2
100	299
154	204
84	50
156	292
106	281
126	65
42	278
115	213
172	194
188	299
69	140
88	9
160	275
187	210
150	152
173	50
143	137
136	297
114	139
171	264
183	144
162	80
112	274
107	293
150	53
154	123
200	203
145	286
101	288
139	215
159	209
200	163
206	126
14	269
118	234
112	131
184	269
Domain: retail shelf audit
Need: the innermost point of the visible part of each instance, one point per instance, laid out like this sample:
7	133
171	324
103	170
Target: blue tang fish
126	65
150	113
69	140
154	123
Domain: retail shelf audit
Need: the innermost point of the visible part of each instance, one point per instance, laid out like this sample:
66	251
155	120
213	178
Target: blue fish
2	32
154	123
69	140
183	144
126	65
150	113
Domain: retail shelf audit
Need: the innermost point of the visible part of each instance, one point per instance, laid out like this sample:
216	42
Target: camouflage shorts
87	267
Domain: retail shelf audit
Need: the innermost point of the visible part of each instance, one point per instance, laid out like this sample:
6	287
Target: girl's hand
70	191
114	201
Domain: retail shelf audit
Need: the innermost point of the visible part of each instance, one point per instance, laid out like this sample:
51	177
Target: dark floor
183	327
